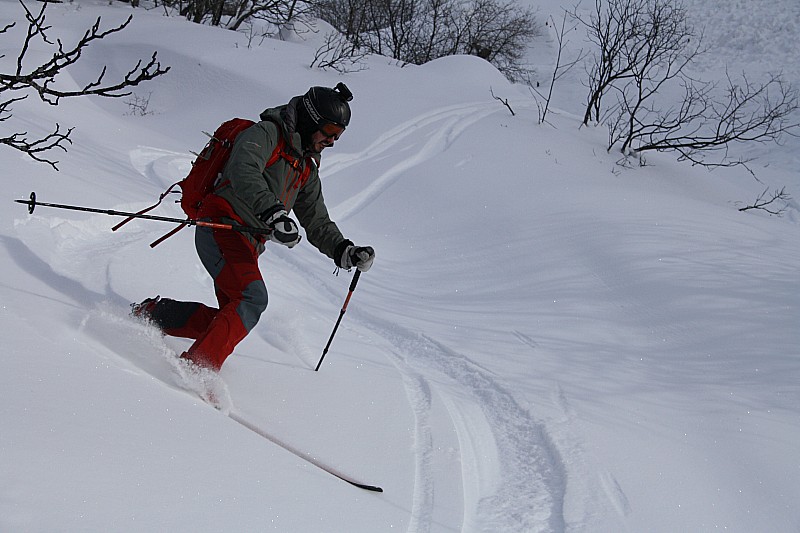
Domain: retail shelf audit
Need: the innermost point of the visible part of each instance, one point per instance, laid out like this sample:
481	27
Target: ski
208	396
258	431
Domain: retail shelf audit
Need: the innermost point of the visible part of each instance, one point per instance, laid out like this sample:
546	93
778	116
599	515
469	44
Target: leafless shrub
706	123
766	201
559	70
418	31
232	14
645	46
503	101
139	105
339	54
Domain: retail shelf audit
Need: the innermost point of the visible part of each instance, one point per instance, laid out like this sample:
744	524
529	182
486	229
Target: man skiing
254	193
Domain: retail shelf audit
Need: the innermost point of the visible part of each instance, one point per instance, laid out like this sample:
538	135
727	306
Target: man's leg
232	262
176	318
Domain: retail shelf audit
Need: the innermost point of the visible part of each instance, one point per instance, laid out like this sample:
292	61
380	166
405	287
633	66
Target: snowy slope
547	342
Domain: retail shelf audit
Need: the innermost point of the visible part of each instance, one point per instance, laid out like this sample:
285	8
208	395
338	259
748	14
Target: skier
251	193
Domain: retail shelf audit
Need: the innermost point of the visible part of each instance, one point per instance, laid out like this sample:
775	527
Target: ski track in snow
495	433
161	167
529	494
419	396
135	342
101	313
449	123
513	476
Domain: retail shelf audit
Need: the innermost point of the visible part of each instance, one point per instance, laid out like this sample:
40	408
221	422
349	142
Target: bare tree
347	16
339	54
498	31
199	11
277	13
660	51
608	27
232	14
645	47
634	40
41	80
706	123
559	70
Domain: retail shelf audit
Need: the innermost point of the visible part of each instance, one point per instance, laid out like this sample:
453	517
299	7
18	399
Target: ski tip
371	488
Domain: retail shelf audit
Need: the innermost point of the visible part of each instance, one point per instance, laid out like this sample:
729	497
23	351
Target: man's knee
253	304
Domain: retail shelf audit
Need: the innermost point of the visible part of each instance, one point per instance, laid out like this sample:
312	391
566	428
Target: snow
547	341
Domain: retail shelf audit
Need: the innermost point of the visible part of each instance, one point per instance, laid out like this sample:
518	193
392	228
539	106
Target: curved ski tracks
528	493
419	396
448	124
512	473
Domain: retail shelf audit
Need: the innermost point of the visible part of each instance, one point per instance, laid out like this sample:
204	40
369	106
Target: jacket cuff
268	213
338	252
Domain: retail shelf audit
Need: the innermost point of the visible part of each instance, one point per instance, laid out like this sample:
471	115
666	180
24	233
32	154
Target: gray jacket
252	188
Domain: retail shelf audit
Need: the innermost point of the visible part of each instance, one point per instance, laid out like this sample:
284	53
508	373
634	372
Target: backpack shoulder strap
296	163
278	151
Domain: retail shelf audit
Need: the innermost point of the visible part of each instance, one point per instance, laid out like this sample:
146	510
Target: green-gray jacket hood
286	117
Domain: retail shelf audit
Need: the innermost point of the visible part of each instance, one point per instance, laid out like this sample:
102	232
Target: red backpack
209	164
207	167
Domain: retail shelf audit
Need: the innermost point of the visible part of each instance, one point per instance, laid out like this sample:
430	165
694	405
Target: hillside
547	342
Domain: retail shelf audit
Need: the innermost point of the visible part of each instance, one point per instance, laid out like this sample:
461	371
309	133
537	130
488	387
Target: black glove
284	229
360	257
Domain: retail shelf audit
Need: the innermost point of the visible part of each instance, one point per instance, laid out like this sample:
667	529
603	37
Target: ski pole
341	314
33	202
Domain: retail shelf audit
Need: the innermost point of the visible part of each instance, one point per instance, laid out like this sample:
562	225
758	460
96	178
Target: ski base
257	430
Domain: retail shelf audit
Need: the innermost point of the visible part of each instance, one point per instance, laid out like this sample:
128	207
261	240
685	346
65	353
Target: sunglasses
330	129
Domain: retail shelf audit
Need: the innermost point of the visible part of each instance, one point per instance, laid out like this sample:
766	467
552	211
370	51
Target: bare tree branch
764	203
339	54
56	139
703	124
504	101
41	79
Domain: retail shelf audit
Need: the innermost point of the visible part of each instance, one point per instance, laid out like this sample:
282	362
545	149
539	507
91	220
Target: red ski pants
232	261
